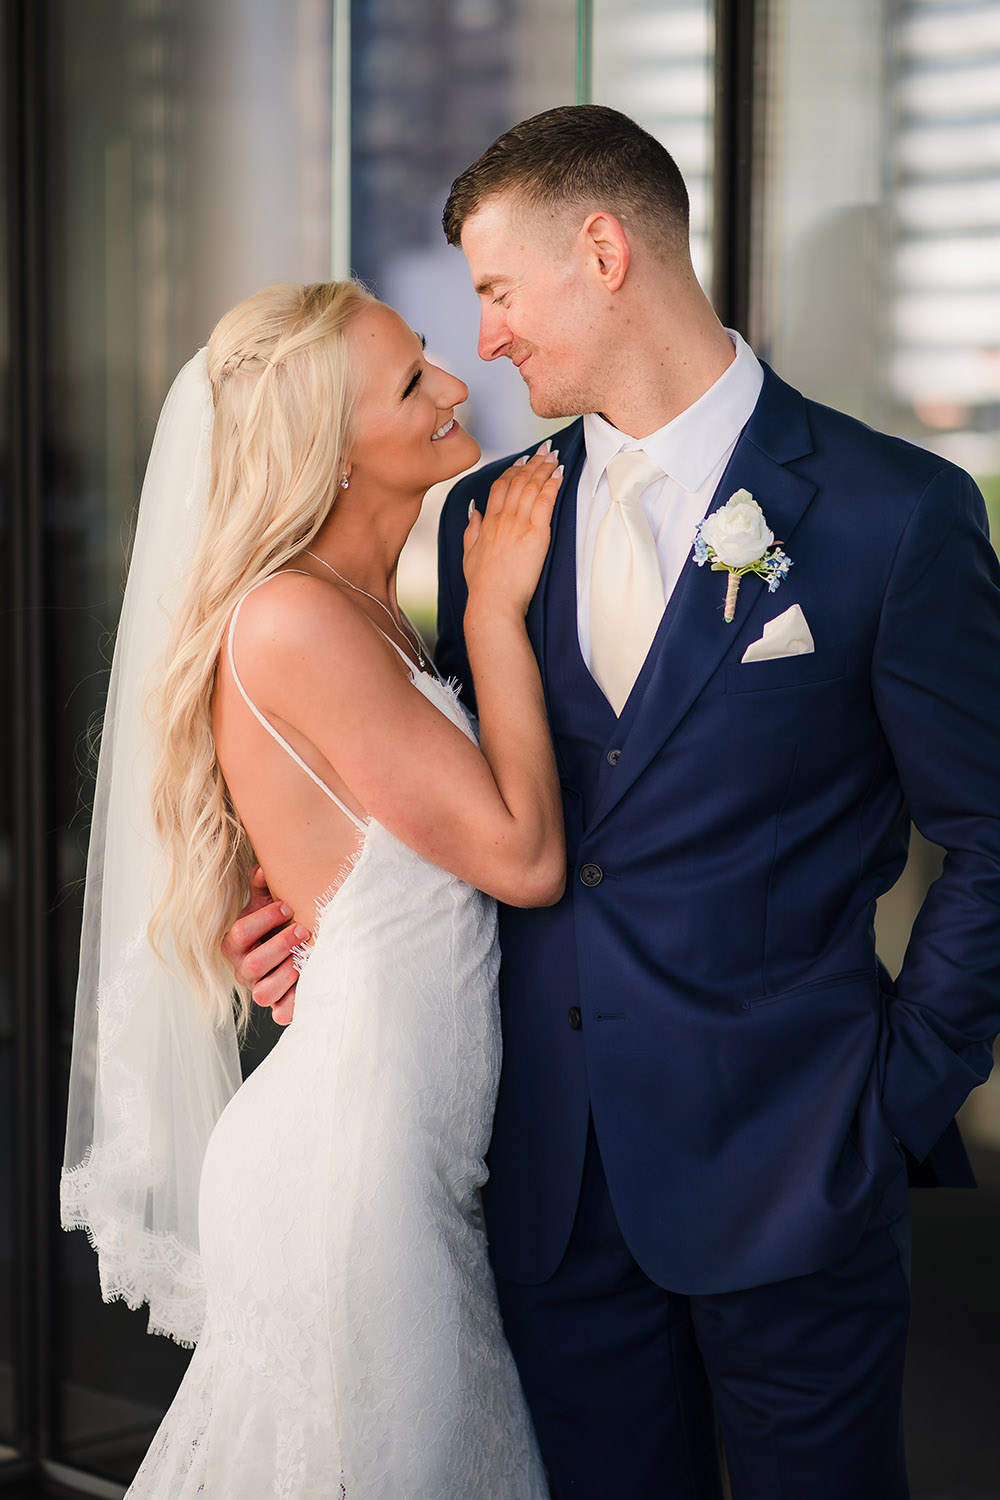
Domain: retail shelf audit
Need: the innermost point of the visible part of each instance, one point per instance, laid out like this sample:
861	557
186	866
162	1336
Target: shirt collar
691	445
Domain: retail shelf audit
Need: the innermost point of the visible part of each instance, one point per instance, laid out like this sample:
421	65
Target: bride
334	1272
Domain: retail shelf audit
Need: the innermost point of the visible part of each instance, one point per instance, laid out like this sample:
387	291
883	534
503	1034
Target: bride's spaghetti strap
359	823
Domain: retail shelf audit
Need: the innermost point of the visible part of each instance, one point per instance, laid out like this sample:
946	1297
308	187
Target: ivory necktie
626	586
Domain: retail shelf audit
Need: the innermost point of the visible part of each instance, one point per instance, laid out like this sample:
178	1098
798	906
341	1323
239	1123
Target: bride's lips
444	431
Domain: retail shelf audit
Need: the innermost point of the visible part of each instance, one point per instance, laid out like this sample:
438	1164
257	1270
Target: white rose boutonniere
736	539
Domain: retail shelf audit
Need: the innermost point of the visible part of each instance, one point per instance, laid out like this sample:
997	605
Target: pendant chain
408	633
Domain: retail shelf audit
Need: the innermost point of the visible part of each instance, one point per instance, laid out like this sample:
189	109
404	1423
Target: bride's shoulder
293	618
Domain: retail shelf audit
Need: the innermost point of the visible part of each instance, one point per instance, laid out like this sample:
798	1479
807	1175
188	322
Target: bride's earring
345	483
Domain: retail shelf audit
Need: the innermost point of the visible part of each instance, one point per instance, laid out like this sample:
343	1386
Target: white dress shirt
692	450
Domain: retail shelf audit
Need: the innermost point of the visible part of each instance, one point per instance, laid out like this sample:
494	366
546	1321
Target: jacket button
613	757
574	1017
591	874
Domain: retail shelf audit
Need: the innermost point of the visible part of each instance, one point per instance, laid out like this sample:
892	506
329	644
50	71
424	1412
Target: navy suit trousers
805	1375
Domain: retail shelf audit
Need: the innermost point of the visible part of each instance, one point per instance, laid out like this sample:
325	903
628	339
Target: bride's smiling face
407	435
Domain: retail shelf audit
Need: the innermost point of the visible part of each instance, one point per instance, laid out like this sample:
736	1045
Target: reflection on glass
187	163
820	306
879	272
655	62
945	174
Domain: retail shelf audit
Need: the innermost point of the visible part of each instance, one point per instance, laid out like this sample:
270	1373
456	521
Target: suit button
613	757
574	1017
591	874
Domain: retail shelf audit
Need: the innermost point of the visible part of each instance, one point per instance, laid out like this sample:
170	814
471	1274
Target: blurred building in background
162	159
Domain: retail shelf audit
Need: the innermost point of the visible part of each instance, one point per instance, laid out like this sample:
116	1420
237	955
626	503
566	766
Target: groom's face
529	269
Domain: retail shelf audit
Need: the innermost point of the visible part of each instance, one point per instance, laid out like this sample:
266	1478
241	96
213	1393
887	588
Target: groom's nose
494	335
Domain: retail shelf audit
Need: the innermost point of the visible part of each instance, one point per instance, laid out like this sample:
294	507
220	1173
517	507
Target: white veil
149	1075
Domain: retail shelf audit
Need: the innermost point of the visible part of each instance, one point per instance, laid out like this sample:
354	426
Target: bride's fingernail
557	473
472	506
544	447
519	461
555	453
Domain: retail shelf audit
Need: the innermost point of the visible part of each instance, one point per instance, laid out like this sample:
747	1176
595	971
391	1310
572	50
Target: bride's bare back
301	837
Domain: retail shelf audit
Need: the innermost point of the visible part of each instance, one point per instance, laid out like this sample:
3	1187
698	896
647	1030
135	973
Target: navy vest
584	725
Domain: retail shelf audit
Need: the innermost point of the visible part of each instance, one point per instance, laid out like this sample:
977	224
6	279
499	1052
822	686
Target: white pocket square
788	635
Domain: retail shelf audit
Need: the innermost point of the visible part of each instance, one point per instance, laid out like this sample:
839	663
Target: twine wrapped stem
732	589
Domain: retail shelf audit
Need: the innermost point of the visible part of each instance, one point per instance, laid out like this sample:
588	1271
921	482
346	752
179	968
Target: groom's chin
551	405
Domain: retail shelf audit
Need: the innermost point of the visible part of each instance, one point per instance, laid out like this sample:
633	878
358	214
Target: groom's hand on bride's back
259	947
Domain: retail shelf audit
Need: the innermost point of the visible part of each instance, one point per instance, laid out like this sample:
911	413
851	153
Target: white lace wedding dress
352	1348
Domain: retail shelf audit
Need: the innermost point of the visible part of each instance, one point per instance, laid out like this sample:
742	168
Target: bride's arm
504	553
312	662
519	835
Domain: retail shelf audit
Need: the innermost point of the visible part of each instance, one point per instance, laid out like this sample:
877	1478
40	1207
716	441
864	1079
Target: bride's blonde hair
284	393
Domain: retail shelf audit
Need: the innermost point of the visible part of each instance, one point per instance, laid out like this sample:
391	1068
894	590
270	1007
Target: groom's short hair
584	155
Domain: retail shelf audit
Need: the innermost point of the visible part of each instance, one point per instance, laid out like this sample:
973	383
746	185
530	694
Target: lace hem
138	1267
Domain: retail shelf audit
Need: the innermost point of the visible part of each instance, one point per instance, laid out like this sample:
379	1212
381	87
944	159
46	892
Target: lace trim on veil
104	1193
138	1268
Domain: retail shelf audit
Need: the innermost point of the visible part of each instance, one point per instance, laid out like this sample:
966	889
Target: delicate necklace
409	634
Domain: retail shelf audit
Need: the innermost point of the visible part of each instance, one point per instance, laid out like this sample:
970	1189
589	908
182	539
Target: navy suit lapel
693	637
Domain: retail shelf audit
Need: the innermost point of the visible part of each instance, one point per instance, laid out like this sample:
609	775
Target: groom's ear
606	246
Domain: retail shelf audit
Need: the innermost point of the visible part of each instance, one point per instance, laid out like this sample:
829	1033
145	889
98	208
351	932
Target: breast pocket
787	671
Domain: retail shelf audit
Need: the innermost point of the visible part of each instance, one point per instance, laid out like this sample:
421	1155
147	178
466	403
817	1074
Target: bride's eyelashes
417	375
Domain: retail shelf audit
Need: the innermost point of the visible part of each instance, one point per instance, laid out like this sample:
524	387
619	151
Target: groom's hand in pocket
259	947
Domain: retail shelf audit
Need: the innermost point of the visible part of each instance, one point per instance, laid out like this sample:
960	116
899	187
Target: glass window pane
944	271
819	309
654	60
878	274
187	162
431	87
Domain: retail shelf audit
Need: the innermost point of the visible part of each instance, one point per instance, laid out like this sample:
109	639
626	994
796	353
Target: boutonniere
736	539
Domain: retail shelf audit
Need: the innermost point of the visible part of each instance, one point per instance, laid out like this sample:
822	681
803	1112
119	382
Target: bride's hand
506	547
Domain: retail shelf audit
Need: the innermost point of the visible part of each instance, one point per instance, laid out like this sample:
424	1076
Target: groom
711	1090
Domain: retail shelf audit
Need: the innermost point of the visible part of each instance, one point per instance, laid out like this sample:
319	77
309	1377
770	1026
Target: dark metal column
25	643
739	73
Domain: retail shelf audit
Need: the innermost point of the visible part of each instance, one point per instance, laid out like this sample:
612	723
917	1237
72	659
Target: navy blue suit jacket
750	1069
